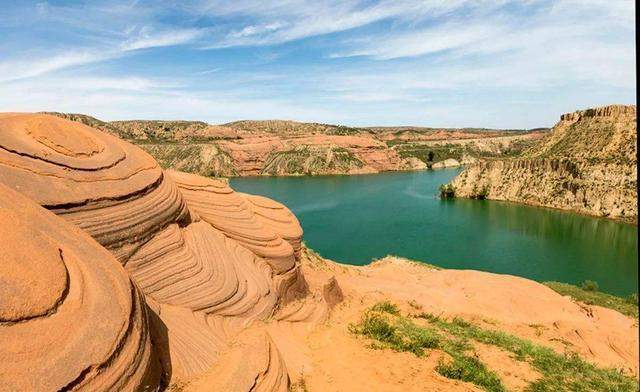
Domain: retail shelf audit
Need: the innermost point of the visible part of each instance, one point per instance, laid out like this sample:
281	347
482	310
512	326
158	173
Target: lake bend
355	219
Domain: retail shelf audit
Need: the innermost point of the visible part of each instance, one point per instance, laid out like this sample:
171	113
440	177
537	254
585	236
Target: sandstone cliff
587	164
120	276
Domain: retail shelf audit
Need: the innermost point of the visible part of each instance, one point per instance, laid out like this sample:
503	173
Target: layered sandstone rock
208	269
108	187
586	164
70	318
278	217
217	204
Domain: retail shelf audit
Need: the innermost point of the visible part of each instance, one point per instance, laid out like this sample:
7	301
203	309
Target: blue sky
453	63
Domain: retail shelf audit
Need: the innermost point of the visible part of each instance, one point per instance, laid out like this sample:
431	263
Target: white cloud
288	20
432	40
147	38
36	65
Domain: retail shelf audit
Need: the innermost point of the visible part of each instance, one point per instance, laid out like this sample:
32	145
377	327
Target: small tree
430	156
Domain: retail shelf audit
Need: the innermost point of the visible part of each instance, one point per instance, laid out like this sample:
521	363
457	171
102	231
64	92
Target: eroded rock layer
70	318
278	217
209	263
197	267
587	163
217	204
110	188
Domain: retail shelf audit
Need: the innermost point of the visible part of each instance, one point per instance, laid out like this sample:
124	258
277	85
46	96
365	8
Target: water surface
354	219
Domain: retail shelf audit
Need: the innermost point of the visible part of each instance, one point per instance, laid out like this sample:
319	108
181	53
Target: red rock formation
207	270
70	318
278	217
217	204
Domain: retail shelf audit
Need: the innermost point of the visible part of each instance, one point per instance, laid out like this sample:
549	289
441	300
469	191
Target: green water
354	219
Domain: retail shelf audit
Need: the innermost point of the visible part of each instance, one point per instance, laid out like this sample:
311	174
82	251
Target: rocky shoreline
586	164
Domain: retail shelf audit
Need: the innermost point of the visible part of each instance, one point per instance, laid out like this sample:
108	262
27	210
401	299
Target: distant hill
284	147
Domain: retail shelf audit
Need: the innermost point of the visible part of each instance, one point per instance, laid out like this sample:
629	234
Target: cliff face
587	164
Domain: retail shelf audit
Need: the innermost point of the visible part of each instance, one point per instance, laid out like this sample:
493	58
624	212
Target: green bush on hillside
589	285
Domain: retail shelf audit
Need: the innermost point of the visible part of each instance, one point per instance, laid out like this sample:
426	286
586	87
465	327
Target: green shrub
589	285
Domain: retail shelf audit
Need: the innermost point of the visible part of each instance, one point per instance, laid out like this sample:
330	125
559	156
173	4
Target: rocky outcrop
206	259
206	159
446	163
587	164
70	318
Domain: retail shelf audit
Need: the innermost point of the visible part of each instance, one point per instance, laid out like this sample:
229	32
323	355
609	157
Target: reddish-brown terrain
118	275
279	147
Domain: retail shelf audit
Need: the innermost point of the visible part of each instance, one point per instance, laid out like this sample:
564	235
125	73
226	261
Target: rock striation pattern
70	318
209	261
108	187
587	164
217	204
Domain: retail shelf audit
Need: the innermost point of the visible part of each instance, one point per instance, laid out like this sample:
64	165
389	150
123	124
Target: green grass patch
388	329
627	306
396	333
386	307
560	372
471	369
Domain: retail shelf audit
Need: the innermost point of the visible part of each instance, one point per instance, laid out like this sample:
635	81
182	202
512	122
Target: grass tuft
589	285
386	307
627	306
471	369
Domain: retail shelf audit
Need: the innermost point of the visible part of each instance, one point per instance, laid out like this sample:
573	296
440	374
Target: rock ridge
586	164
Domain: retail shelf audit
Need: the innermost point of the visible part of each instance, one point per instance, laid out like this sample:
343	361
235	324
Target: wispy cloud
36	66
436	62
427	41
148	38
288	20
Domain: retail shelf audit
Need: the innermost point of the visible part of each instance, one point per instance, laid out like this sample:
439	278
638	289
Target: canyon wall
587	164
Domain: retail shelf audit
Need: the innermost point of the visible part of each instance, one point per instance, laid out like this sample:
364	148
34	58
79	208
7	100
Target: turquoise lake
354	219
